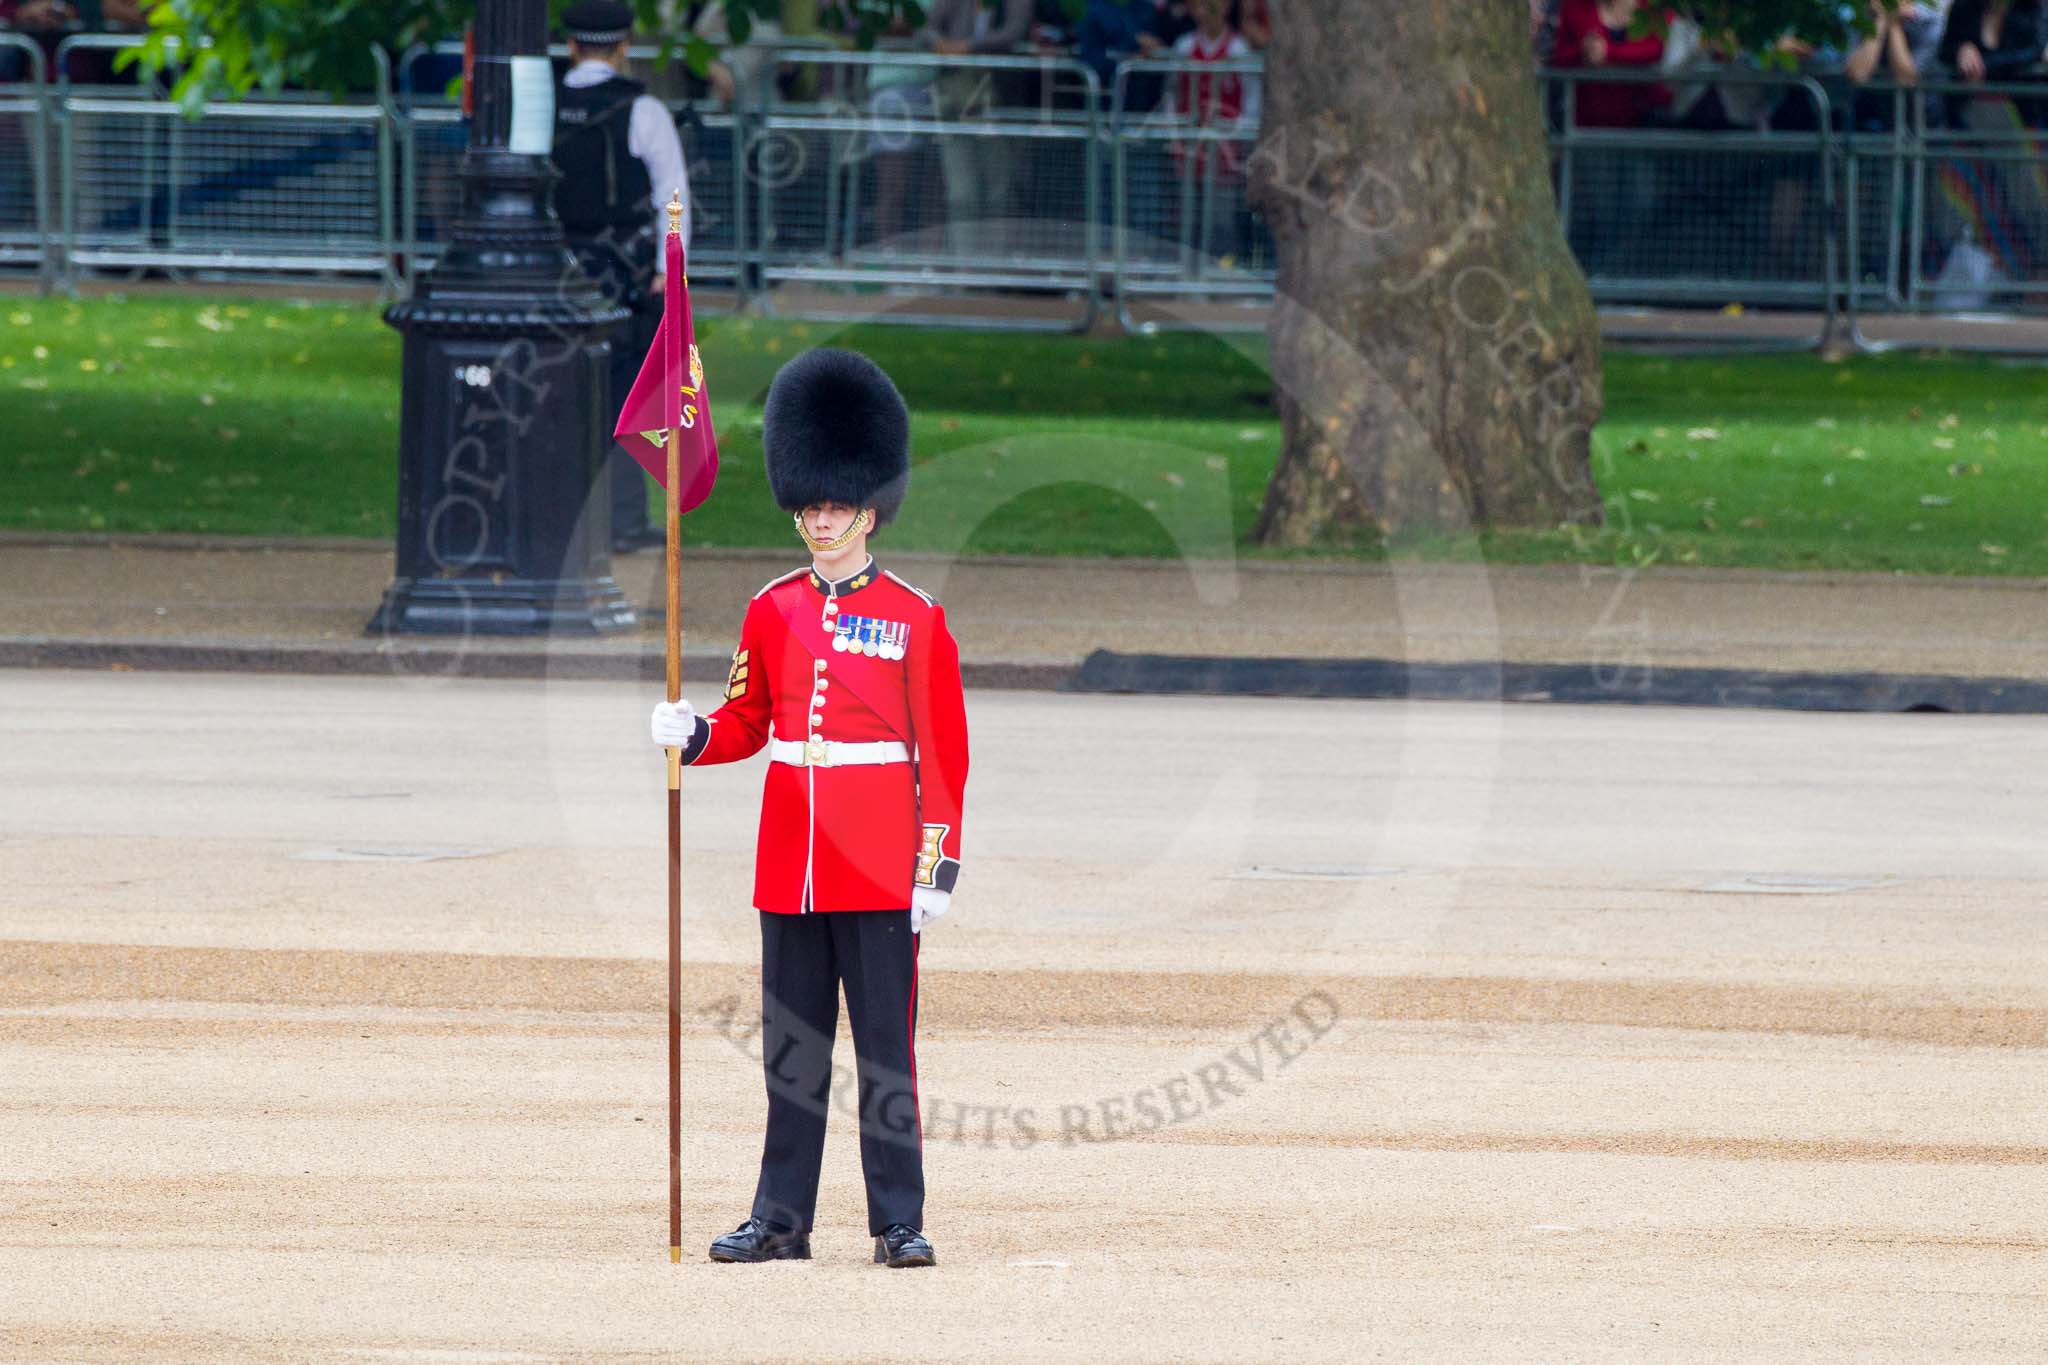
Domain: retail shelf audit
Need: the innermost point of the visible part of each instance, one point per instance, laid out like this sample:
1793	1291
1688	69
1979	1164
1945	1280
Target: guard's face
828	520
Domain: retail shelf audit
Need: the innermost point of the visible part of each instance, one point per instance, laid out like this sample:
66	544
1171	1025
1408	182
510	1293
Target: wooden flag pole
675	876
673	491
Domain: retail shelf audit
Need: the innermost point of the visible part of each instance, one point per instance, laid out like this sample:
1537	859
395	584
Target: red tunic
854	837
1609	104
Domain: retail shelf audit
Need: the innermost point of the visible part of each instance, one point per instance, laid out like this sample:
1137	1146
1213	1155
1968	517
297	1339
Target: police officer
619	159
849	677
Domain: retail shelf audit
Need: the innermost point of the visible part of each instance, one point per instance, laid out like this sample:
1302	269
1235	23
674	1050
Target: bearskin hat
835	430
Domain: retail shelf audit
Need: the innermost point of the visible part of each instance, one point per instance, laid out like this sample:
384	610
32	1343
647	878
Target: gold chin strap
839	542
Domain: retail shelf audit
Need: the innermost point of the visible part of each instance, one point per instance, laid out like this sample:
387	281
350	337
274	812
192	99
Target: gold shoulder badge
736	677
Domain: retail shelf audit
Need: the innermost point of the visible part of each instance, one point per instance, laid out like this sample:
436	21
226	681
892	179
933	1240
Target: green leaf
190	93
699	54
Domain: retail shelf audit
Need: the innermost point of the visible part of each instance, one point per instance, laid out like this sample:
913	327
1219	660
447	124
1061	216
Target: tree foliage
1758	25
247	45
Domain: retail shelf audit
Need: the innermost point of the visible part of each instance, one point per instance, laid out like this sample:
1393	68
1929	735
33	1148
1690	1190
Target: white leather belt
827	753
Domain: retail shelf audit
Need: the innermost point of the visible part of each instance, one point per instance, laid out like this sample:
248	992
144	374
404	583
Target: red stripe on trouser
916	1104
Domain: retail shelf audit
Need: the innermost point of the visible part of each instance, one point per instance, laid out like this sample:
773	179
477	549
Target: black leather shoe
901	1246
754	1240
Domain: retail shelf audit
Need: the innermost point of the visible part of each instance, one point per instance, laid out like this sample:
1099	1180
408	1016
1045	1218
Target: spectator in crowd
1600	33
900	96
13	62
980	172
962	28
1054	32
1114	31
1253	20
1986	208
1994	40
1613	197
1110	32
47	21
1226	99
1901	46
1717	105
1172	20
1051	27
1903	43
734	73
17	174
1227	102
50	22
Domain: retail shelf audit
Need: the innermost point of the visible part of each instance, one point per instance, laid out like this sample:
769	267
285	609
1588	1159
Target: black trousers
804	961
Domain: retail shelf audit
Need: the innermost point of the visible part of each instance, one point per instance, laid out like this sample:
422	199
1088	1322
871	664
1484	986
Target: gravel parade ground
331	1028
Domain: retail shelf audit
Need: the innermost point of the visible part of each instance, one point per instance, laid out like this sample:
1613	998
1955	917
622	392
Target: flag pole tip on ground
667	402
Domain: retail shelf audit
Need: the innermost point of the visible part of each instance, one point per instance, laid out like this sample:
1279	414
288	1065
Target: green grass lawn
168	414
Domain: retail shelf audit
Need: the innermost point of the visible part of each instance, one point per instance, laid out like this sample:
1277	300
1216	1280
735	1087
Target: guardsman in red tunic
847	675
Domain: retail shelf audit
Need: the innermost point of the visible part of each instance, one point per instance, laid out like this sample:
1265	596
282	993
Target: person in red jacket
849	678
1599	33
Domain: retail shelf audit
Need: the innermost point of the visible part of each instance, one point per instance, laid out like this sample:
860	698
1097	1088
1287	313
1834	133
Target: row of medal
871	636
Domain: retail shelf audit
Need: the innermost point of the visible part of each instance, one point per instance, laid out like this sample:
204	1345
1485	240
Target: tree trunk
1435	352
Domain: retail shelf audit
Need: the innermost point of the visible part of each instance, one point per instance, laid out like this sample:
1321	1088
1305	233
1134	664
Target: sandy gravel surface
330	1023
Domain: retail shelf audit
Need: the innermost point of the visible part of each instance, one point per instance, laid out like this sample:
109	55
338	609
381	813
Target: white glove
927	903
674	725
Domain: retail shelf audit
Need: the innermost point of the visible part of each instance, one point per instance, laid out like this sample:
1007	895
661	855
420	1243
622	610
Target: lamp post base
479	606
504	521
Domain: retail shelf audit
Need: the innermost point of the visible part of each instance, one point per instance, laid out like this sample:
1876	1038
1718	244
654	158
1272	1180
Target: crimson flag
670	396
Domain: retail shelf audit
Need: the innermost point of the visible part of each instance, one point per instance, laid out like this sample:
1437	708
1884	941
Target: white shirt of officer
650	136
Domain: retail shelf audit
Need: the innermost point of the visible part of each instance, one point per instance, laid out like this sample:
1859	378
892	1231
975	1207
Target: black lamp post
502	434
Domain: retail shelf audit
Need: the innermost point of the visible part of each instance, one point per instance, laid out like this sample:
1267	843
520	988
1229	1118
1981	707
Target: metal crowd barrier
1978	164
1014	190
293	184
947	178
1875	196
431	138
1183	228
1672	215
25	229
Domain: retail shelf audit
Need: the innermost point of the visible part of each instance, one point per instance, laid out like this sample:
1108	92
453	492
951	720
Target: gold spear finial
675	214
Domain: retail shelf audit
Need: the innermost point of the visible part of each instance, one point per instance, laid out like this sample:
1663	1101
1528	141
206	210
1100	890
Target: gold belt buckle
816	755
